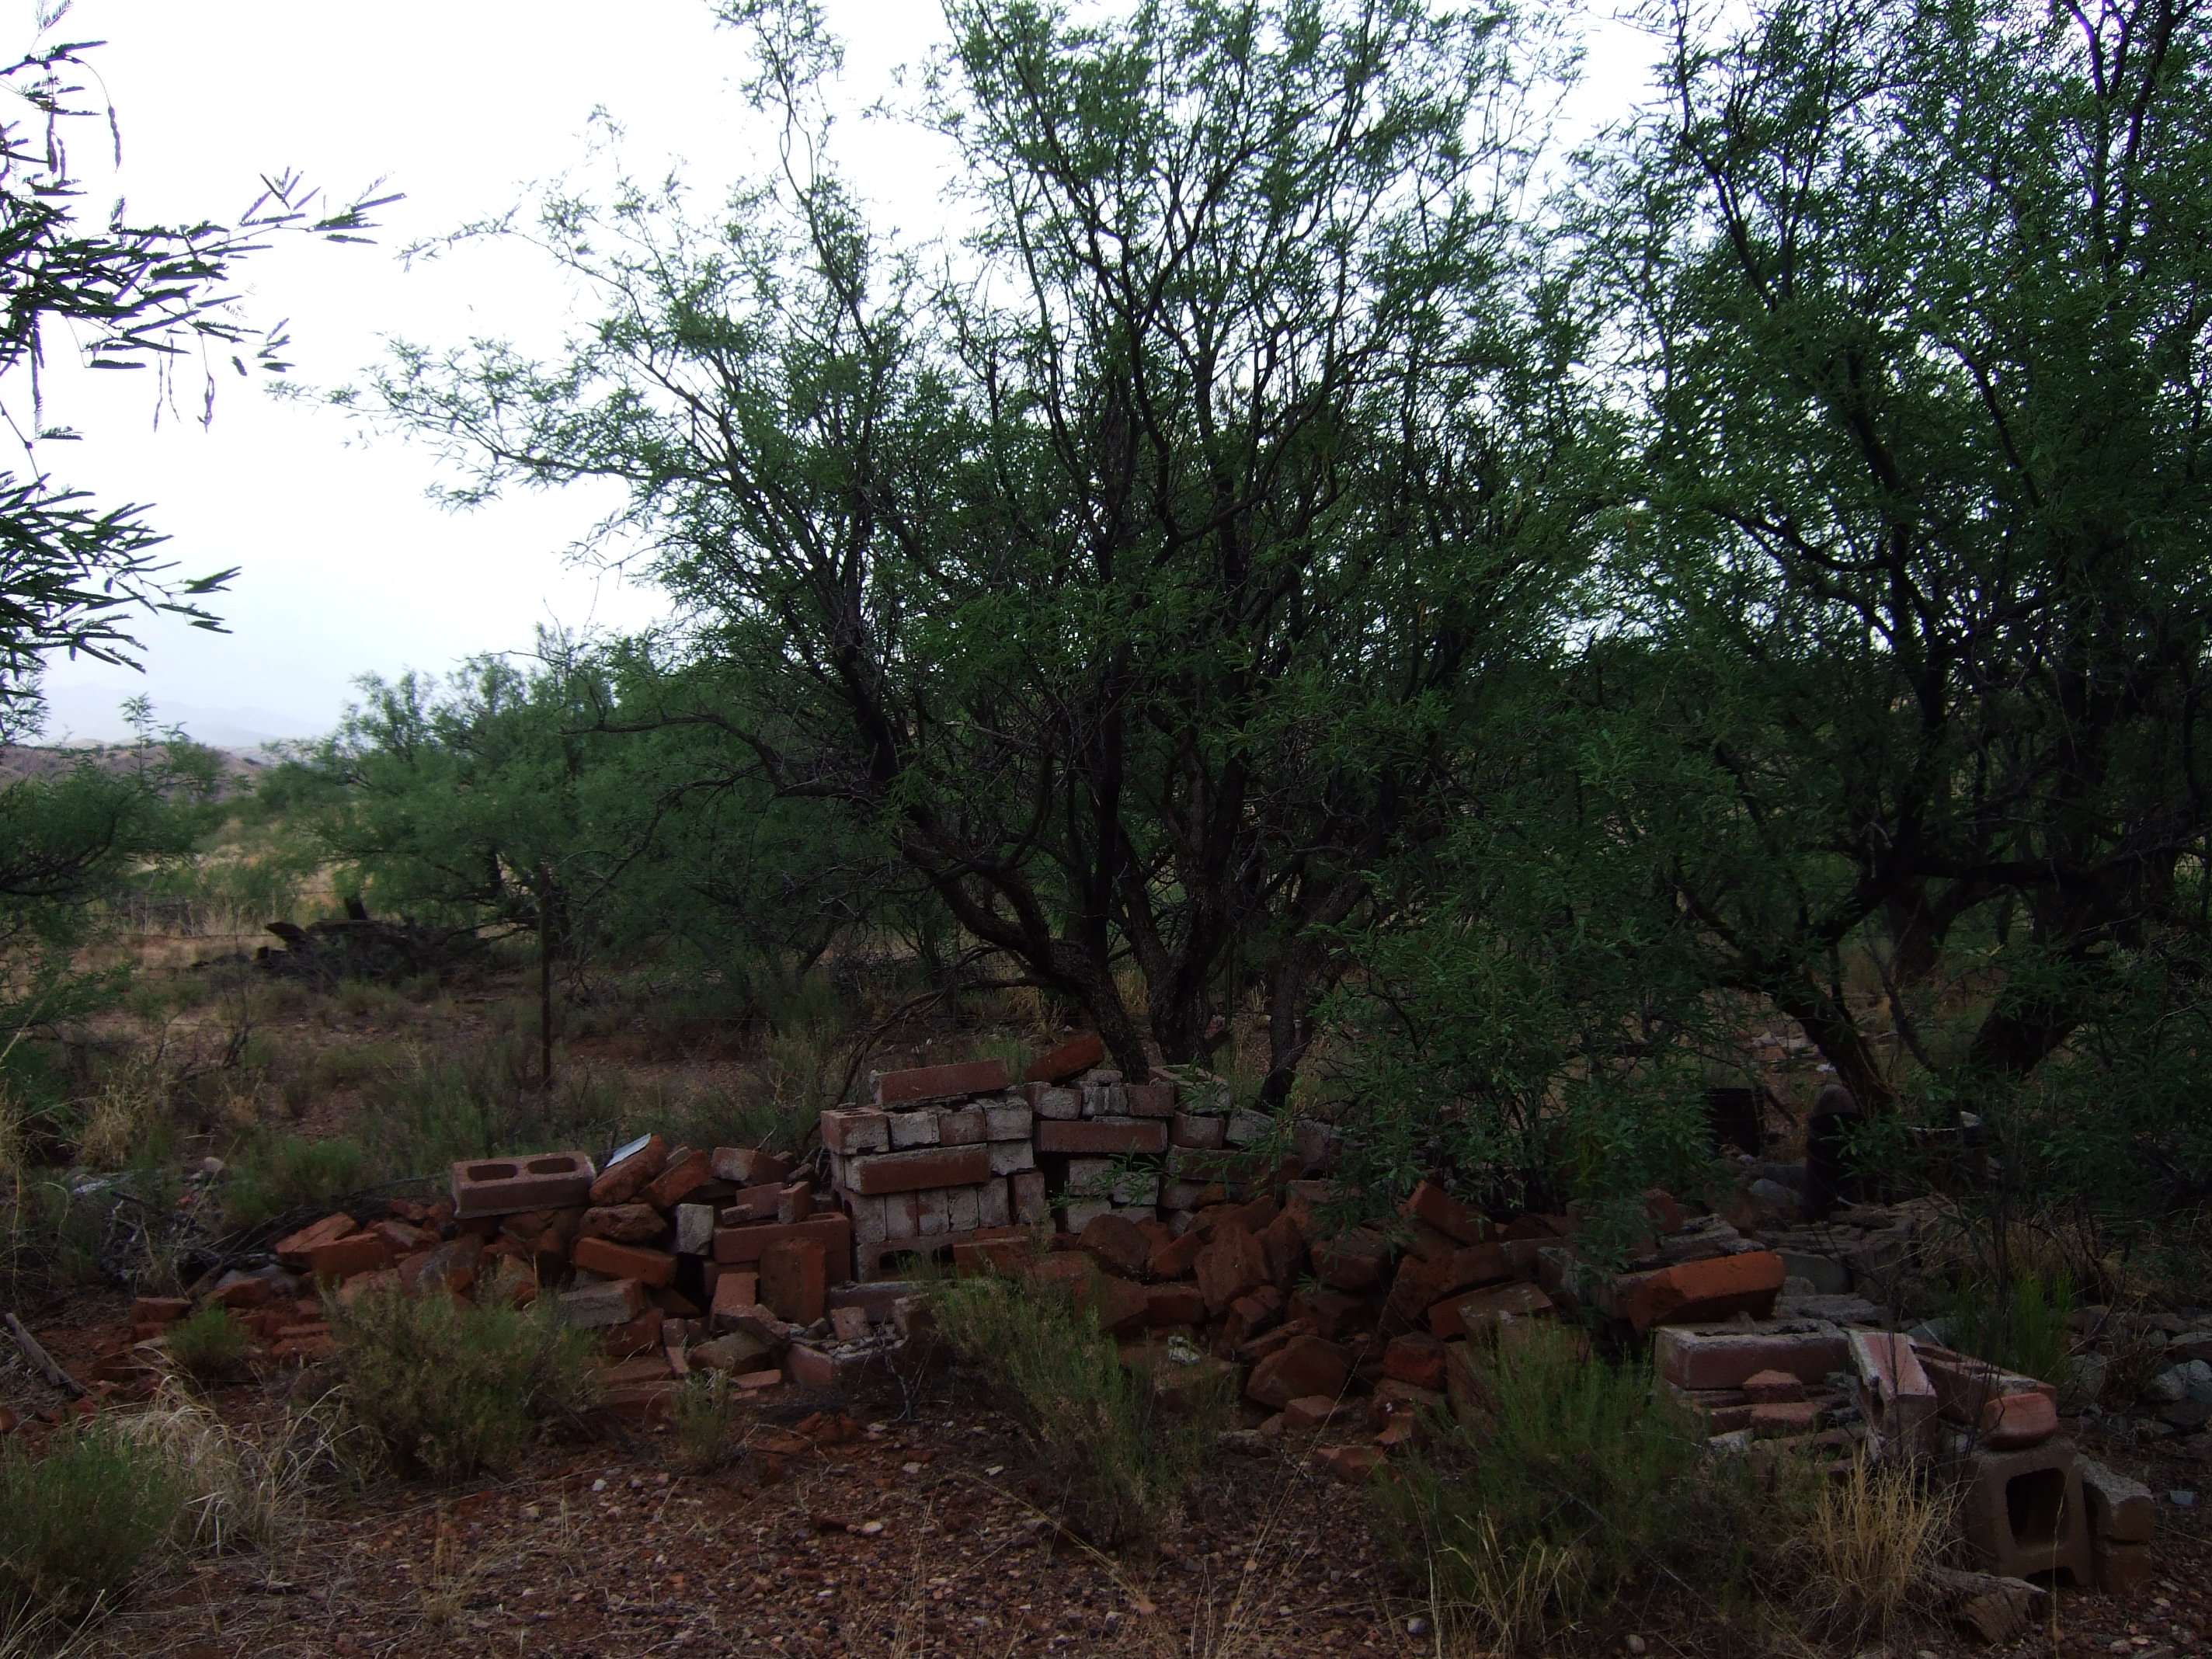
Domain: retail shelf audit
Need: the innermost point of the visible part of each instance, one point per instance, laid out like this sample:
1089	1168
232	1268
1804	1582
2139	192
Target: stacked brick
943	1156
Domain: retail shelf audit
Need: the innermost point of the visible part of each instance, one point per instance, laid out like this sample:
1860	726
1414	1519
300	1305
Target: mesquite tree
1139	569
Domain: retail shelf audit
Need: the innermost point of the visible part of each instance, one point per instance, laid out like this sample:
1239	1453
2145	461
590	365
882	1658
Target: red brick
751	1203
2012	1421
1311	1412
1700	1290
625	1224
1352	1261
686	1172
452	1264
1283	1247
1071	1059
749	1166
1456	1315
793	1280
1354	1465
1117	1244
738	1247
1232	1265
292	1249
1332	1314
1030	1204
159	1309
403	1237
1531	1226
1123	1309
1305	1364
1174	1305
1102	1137
1727	1359
917	1170
341	1258
1174	1259
641	1336
1775	1388
734	1293
974	1077
996	1255
1774	1419
1068	1271
1154	1099
1432	1204
1416	1358
603	1255
856	1129
623	1182
1666	1214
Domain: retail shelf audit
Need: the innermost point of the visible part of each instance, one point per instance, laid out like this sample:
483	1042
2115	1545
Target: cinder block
856	1129
978	1077
2025	1513
505	1185
1011	1157
923	1168
1105	1100
1006	1120
2120	1509
916	1129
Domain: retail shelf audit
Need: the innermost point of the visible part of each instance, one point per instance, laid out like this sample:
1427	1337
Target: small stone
1417	1625
1634	1643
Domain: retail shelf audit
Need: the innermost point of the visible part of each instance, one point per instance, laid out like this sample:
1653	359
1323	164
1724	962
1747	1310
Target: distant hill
20	760
81	713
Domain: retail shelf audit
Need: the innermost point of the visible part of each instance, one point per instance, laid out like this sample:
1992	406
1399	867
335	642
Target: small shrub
450	1388
703	1432
1122	1455
271	1178
2028	1332
1569	1484
80	1522
208	1344
1867	1547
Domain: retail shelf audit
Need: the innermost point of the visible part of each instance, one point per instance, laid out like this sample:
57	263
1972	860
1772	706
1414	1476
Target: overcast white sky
347	568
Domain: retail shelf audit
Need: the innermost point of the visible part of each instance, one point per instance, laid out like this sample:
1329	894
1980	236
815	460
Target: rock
1995	1609
1303	1365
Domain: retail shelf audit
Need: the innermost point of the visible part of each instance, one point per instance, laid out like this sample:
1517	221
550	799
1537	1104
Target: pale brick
695	1229
992	1207
1082	1212
857	1129
1061	1104
1246	1129
1006	1120
1030	1204
911	1129
1011	1157
902	1216
933	1213
960	1210
965	1127
869	1226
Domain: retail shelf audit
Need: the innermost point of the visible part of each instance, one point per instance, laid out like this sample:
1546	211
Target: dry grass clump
1867	1547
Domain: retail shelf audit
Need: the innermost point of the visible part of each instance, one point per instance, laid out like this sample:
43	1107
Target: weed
2028	1332
1867	1547
208	1344
271	1178
1567	1483
78	1524
704	1425
129	1112
245	1488
451	1387
1122	1457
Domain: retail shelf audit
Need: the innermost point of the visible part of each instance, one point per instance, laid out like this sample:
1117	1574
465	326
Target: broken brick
625	1224
1305	1364
342	1258
685	1174
1416	1359
1439	1209
620	1183
1071	1059
1174	1305
1233	1264
602	1255
1459	1316
292	1248
1117	1244
1354	1465
1695	1291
